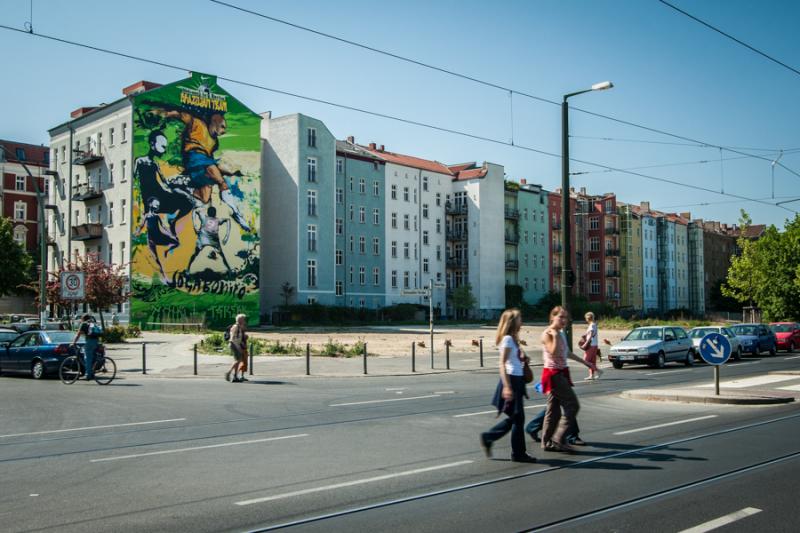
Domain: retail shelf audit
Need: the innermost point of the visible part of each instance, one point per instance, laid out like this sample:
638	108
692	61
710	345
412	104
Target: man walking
238	344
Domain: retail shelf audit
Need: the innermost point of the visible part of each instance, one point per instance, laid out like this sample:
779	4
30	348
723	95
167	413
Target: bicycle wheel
104	370
70	370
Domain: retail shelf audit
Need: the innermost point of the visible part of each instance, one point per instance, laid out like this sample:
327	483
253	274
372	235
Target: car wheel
791	346
737	355
661	361
37	369
617	365
689	358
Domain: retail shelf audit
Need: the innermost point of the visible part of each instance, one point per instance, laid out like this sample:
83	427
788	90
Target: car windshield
702	332
58	337
644	334
745	330
782	328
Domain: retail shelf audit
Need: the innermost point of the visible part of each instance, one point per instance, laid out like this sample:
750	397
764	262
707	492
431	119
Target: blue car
37	353
756	338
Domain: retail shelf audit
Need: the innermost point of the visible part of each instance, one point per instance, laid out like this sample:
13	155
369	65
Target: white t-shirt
513	363
592	332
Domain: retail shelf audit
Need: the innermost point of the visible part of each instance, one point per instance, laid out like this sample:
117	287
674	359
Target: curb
664	396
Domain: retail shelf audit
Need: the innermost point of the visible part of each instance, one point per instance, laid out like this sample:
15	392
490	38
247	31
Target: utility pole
430	312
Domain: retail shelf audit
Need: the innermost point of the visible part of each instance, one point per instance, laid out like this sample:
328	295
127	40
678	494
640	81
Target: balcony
556	226
512	238
612	230
87	157
457	235
512	264
455	209
457	262
612	273
86	191
612	252
86	232
512	214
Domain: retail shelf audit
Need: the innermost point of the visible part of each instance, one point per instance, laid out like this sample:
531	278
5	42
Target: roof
356	150
409	161
754	232
461	166
471	174
34	153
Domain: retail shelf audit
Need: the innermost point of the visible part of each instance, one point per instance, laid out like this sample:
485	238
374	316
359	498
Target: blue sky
670	73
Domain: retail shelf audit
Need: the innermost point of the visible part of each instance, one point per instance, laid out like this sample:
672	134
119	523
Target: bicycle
72	368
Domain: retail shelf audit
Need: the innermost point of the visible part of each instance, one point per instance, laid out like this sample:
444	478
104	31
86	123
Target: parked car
7	335
756	338
654	346
697	334
31	323
787	335
38	353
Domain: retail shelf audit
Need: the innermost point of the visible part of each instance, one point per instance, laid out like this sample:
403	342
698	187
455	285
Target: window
394	248
594	245
19	183
425	237
406	220
339	257
312	203
438	225
352	212
376	188
339	226
311	270
352	244
64	154
394	220
110	253
394	192
376	216
376	276
415	250
111	173
122	252
311	164
362	215
594	222
424	210
20	211
438	252
311	233
362	245
362	275
438	199
406	250
362	303
77	217
526	260
405	279
376	246
594	265
595	287
311	300
405	194
111	136
339	288
351	276
394	279
525	216
351	183
124	132
110	213
124	165
312	137
425	268
20	154
424	183
362	185
415	195
20	235
415	222
526	236
339	195
527	286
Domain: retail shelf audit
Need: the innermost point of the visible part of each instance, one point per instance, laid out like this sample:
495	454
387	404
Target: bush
214	341
133	331
262	346
114	334
333	348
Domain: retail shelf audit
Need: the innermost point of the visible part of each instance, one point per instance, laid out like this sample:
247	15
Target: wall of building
681	265
534	246
650	278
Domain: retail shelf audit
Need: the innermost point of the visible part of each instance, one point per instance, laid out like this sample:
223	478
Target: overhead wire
380	115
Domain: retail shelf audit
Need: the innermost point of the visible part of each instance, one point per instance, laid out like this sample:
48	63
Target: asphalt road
388	454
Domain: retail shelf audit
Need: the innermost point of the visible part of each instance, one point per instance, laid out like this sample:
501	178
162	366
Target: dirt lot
392	341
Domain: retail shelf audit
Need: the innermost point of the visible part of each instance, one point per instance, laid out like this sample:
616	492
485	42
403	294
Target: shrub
213	341
114	334
133	331
333	348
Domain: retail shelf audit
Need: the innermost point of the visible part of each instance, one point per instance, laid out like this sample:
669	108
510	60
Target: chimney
381	148
81	111
140	87
523	181
645	206
372	146
351	139
583	191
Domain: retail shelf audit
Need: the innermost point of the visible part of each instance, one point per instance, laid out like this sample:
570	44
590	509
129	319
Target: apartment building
681	261
631	258
650	260
533	251
556	240
719	245
696	267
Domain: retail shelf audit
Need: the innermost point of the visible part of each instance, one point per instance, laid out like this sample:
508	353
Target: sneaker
243	379
588	378
598	373
577	441
524	458
486	446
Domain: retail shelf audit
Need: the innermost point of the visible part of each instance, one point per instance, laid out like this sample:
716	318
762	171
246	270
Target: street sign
73	285
715	349
414	292
439	285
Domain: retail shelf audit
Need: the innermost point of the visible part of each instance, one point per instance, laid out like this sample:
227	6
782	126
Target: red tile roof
462	166
410	161
34	153
753	232
471	174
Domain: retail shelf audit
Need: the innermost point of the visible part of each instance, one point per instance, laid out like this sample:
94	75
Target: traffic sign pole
715	349
716	380
430	311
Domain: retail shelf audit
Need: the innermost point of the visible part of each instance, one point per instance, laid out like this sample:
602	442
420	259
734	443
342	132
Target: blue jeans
89	350
514	422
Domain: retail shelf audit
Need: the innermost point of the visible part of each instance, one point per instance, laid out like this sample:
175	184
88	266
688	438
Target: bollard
144	358
481	349
195	359
308	359
413	357
365	358
447	355
250	351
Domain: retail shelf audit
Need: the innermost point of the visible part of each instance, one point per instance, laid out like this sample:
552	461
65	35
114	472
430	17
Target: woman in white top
508	397
590	346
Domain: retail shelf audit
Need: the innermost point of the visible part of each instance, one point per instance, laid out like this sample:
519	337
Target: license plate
626	357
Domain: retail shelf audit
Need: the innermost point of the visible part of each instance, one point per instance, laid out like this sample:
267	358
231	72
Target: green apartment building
526	235
631	294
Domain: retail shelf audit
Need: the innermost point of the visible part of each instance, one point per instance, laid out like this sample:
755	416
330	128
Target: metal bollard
365	358
481	349
308	359
250	351
195	359
413	357
447	355
144	358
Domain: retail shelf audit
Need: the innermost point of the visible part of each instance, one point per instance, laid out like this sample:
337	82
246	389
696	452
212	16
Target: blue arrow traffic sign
715	349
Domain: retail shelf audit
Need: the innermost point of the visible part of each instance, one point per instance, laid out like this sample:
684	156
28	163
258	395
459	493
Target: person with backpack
236	336
92	331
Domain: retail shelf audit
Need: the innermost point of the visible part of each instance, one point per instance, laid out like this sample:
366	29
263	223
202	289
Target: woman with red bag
589	345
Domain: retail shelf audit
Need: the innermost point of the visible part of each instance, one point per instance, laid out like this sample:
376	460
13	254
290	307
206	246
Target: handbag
584	342
527	372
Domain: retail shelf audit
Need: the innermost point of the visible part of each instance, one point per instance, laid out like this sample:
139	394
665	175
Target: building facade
631	260
681	262
696	268
533	252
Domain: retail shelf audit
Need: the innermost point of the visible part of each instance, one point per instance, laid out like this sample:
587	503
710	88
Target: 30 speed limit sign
73	285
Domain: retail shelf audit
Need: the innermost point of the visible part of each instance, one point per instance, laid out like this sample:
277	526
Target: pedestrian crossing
768	379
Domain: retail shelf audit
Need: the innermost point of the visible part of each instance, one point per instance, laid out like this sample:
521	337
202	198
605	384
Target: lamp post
567	277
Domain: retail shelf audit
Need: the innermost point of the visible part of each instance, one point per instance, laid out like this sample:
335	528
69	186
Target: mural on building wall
196	183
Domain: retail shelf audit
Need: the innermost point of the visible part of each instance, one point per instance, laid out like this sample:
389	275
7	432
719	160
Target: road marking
494	411
93	427
446	392
666	372
194	448
352	483
396	388
723	520
383	401
665	425
751	382
793	357
790	387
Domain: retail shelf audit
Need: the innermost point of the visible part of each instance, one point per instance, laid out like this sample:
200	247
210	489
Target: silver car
697	334
654	346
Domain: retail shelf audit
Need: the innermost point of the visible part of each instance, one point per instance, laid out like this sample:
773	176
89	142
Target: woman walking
590	347
557	385
508	397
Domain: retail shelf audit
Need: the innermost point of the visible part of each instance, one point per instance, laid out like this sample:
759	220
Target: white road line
665	425
446	392
93	427
751	382
665	372
793	357
194	448
396	388
790	387
494	411
723	520
352	483
383	401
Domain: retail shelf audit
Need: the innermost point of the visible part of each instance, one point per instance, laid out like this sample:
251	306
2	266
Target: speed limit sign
73	285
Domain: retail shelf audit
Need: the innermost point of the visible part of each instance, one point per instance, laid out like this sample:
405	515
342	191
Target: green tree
15	263
463	299
514	295
287	290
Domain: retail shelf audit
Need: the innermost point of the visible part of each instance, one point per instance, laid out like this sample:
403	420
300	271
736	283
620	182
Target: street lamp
567	276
